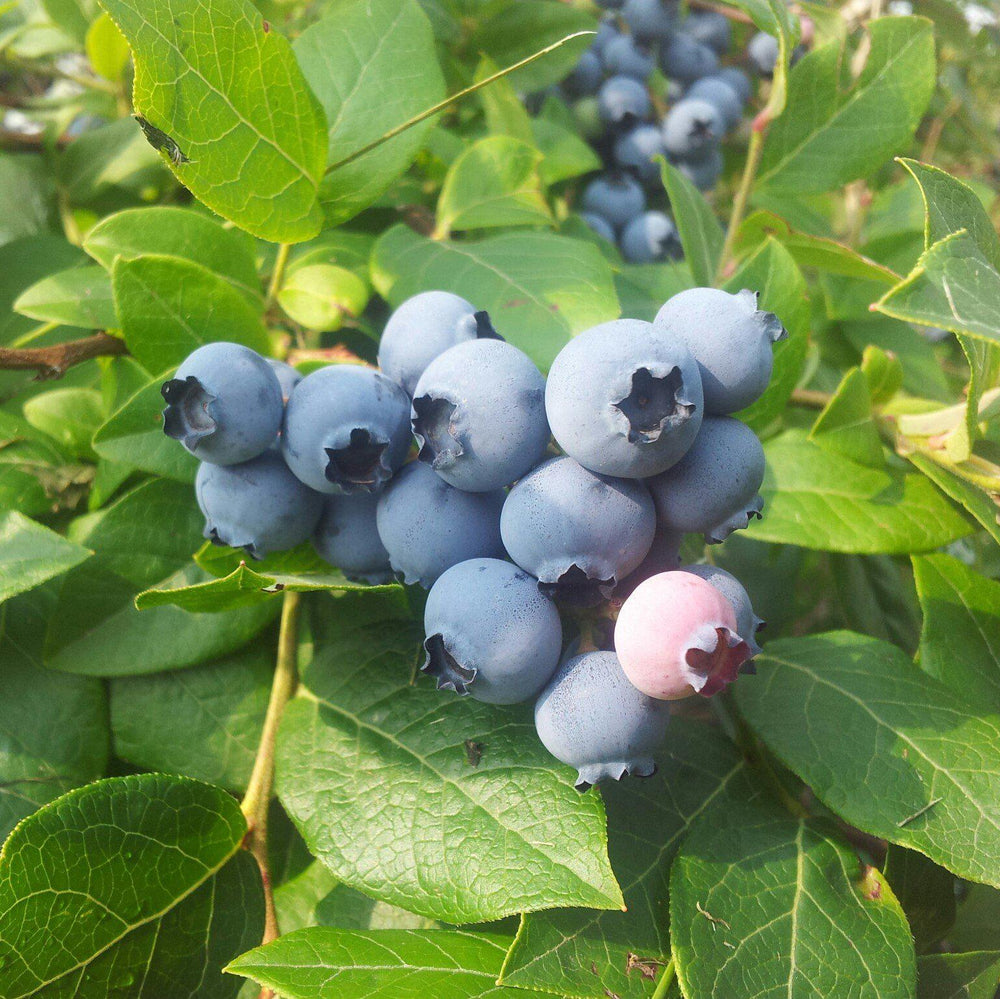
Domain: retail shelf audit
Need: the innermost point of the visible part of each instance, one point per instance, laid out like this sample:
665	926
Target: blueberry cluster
504	530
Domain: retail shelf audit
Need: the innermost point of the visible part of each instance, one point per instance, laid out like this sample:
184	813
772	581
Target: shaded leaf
31	554
958	976
701	235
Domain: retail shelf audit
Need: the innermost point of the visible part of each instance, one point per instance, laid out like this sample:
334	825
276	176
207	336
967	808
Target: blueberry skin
738	80
576	532
616	198
288	377
710	28
258	506
601	226
586	76
428	526
705	171
712	490
607	31
763	51
692	127
684	59
479	415
224	404
623	400
490	633
649	20
590	717
730	338
347	537
623	101
723	95
635	150
649	238
623	57
423	328
347	429
747	623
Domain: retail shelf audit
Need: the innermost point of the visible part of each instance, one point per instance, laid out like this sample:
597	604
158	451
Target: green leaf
73	16
79	297
701	235
580	952
372	64
877	598
250	144
142	879
324	963
168	307
921	767
320	296
883	372
176	232
361	724
494	183
204	722
926	893
566	154
106	48
960	639
813	145
643	288
25	207
31	554
846	425
958	976
774	17
504	111
975	501
817	499
67	415
763	903
539	288
141	539
977	919
134	436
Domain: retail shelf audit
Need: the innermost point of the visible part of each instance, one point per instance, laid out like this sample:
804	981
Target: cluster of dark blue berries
504	529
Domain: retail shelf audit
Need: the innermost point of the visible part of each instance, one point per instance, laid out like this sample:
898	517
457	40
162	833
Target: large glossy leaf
580	952
921	767
231	105
701	235
141	880
362	725
538	288
31	554
373	66
960	640
766	904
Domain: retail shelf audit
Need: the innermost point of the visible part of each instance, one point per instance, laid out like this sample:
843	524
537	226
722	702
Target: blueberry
623	102
635	150
692	127
617	198
586	76
625	57
712	490
650	20
747	623
479	415
763	51
705	171
258	505
649	238
347	537
288	377
684	59
591	718
723	95
664	556
424	327
730	338
607	31
623	400
224	404
738	80
601	226
428	526
347	429
710	28
576	532
490	633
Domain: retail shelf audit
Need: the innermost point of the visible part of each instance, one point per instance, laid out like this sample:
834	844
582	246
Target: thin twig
55	361
277	274
810	398
754	152
666	980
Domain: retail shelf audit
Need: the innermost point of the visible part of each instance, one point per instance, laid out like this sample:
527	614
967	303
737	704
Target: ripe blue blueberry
712	490
258	505
684	59
347	429
479	415
649	238
738	80
718	91
623	102
650	20
428	526
617	198
490	633
586	76
691	128
762	51
625	57
730	338
423	328
747	623
347	537
576	532
705	171
623	400
224	404
607	30
635	150
591	718
600	225
710	28
288	377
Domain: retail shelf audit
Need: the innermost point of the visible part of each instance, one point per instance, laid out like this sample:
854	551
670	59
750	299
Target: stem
259	788
754	152
666	980
277	274
54	361
810	398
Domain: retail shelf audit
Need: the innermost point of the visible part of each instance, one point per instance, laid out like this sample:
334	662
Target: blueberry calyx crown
769	323
485	330
440	663
188	417
576	587
435	430
654	404
719	666
359	467
219	536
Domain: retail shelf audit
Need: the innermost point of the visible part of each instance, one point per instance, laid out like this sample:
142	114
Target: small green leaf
958	976
921	767
975	501
701	235
31	554
24	198
566	155
320	296
503	109
79	297
106	48
847	426
252	142
72	16
883	372
70	416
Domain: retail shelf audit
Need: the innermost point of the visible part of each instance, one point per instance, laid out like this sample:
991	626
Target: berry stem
259	788
277	274
742	199
666	980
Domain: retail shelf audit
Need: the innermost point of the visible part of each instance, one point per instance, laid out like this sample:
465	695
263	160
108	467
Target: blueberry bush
359	355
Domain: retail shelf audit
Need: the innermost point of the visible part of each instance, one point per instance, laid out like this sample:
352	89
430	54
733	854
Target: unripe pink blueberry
676	636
